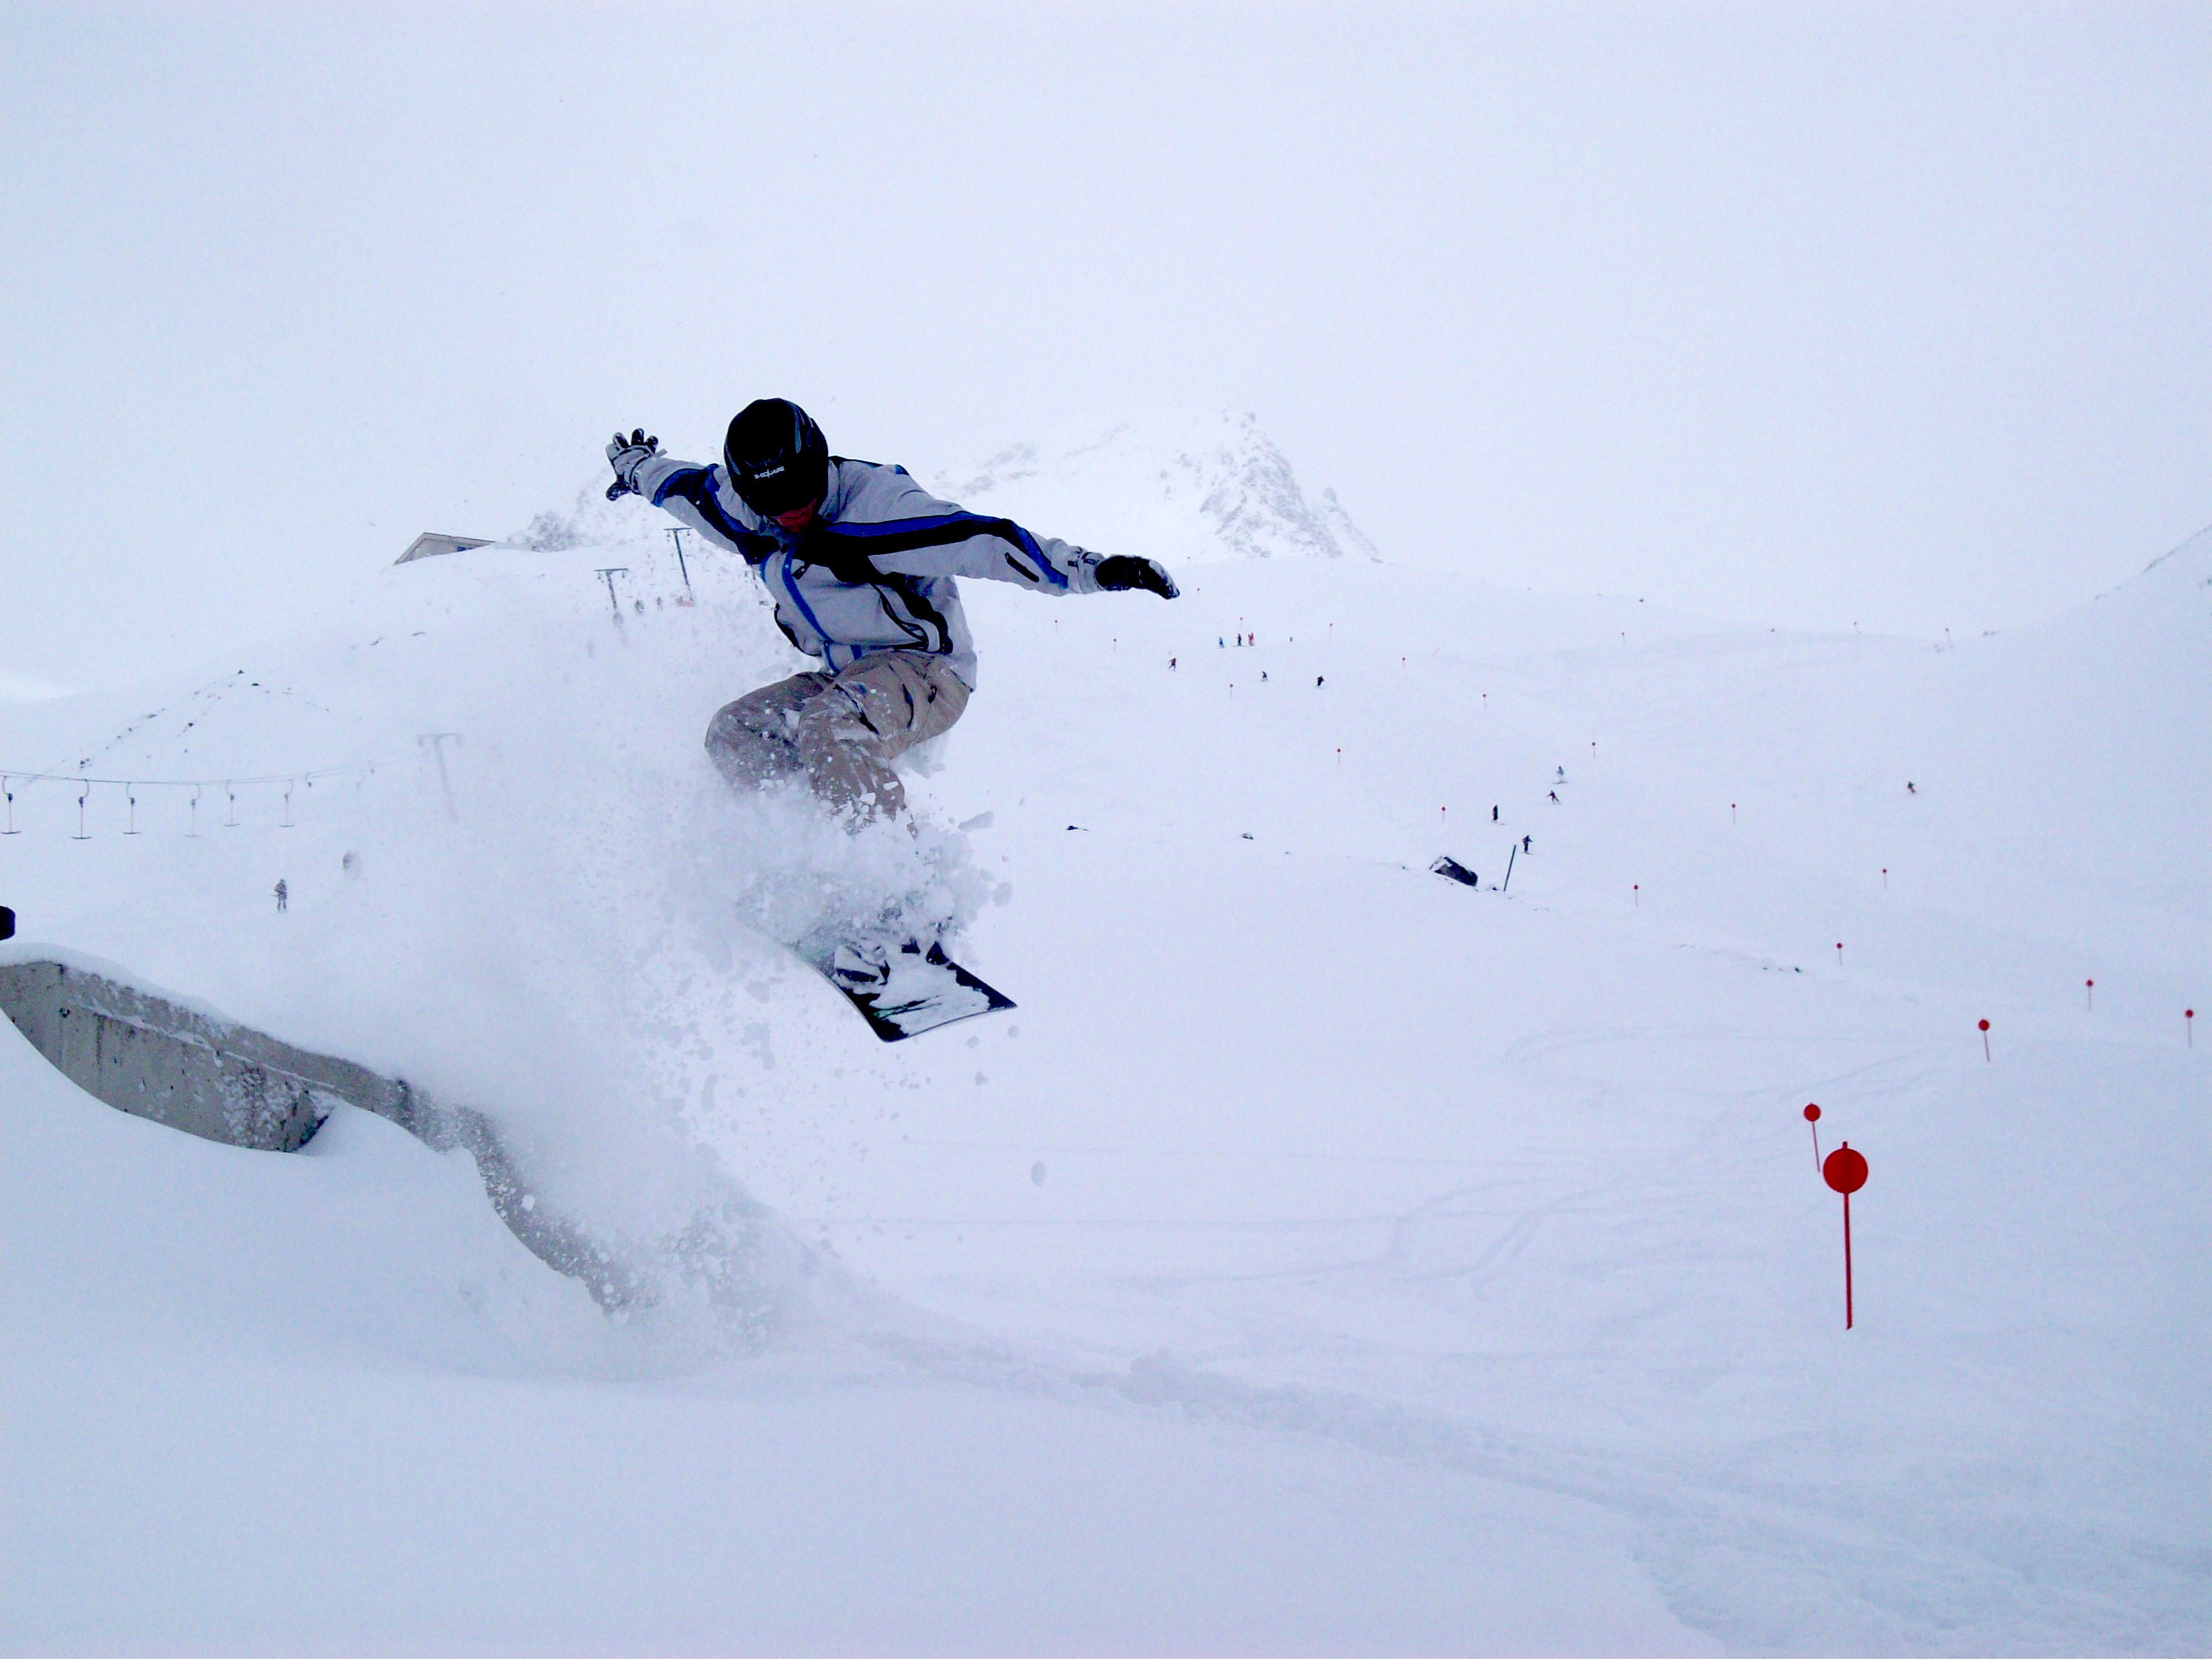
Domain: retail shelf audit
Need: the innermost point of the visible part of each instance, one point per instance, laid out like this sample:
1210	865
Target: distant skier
1524	843
1493	815
1555	797
860	561
284	895
1317	680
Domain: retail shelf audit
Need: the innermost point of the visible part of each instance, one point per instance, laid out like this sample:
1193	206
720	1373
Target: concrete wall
210	1077
153	1060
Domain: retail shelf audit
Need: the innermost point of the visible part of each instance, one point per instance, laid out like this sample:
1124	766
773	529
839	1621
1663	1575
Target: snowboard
905	992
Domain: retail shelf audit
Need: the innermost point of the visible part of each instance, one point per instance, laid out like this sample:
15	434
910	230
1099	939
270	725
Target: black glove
1121	573
626	455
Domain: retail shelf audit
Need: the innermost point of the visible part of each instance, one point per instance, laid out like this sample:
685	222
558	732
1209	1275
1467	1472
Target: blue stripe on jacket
828	645
697	485
902	534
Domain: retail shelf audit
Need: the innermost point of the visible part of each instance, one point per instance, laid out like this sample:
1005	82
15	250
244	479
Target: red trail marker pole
1846	1171
2188	1024
1885	879
1985	1040
1839	953
2091	987
1731	812
1813	1117
1636	895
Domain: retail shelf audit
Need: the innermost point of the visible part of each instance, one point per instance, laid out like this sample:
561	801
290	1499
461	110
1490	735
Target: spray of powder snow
519	996
586	974
793	874
698	1030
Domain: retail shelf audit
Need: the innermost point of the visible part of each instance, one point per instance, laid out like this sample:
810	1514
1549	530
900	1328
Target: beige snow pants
841	732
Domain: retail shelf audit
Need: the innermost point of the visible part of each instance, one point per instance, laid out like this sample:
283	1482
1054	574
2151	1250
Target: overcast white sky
1814	314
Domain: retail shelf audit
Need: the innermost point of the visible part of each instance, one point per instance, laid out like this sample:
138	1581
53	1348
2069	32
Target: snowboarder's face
800	517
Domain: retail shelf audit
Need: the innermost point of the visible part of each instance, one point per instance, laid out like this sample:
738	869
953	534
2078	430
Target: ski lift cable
15	776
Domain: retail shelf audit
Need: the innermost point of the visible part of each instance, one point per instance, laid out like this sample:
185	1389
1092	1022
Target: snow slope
1323	1256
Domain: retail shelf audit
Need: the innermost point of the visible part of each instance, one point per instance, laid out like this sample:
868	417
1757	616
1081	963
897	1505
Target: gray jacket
875	571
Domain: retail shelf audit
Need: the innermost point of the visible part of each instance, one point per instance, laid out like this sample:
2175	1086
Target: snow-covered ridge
2190	560
1184	487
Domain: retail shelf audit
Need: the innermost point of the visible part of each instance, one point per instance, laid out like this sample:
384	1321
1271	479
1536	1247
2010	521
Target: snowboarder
283	894
861	561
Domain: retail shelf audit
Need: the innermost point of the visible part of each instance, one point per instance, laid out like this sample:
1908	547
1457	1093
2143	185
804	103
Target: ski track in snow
1302	1146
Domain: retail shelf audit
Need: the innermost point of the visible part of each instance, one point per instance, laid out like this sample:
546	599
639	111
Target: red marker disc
1985	1025
1812	1114
1846	1170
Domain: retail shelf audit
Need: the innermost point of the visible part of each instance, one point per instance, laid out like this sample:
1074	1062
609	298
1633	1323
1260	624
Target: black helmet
777	457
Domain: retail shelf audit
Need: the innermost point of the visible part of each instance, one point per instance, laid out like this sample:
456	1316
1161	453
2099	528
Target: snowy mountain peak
1186	487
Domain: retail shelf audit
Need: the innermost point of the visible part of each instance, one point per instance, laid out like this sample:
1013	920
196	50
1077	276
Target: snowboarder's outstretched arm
696	494
878	521
901	529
